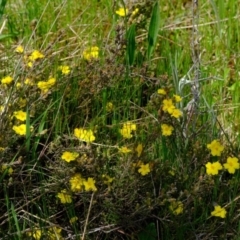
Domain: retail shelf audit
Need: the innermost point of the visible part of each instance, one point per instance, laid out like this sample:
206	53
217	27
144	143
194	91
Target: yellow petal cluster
69	156
231	165
127	129
91	53
215	147
213	168
122	12
20	115
7	80
65	69
84	134
89	185
46	85
144	169
64	196
76	183
166	129
176	207
219	212
124	149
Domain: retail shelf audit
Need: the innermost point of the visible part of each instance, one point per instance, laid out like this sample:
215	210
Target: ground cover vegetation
119	120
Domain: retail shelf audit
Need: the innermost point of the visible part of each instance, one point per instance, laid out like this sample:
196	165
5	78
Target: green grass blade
15	220
131	44
2	7
28	131
153	29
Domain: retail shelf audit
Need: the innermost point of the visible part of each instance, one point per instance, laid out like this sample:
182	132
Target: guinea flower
19	49
219	212
139	149
73	219
176	207
168	106
213	168
161	91
76	183
35	55
91	53
20	130
122	12
109	107
135	11
177	98
64	196
20	115
54	233
65	69
84	135
69	156
144	169
232	164
176	113
36	234
127	129
7	80
166	129
46	85
215	147
89	184
124	150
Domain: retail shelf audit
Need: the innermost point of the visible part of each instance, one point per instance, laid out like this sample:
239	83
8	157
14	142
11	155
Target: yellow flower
84	135
35	55
176	113
135	11
54	233
219	212
46	85
65	69
215	147
76	183
109	107
64	196
28	82
127	129
124	150
213	168
231	165
139	149
122	12
8	169
108	179
22	102
176	207
30	64
69	156
73	219
166	130
19	49
20	130
91	53
7	80
20	115
161	91
36	234
168	106
144	169
177	98
89	184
